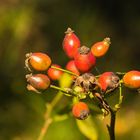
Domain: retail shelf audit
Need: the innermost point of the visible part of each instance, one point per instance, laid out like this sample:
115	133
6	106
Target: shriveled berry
71	67
80	110
37	61
87	81
37	82
84	59
54	74
132	79
99	49
108	81
71	43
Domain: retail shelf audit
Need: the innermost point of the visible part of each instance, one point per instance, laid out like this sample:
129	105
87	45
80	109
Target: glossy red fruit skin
108	81
99	49
53	73
38	61
80	110
39	82
72	67
132	79
71	43
84	61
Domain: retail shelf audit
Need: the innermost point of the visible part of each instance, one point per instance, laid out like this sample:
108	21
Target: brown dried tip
84	50
28	55
31	88
69	31
107	41
27	76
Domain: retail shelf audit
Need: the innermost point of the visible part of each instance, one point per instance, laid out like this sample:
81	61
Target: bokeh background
39	25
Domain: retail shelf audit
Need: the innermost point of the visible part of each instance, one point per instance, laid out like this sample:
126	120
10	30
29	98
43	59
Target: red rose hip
84	59
99	49
80	110
37	82
132	79
37	61
108	81
71	67
53	73
71	43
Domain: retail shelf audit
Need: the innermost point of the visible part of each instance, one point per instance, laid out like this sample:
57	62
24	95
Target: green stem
64	70
66	91
117	106
58	88
48	119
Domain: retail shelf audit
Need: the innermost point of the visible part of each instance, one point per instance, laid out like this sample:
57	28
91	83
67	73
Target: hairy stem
48	119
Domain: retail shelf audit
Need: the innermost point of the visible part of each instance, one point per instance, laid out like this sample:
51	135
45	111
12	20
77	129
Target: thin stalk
64	70
58	88
66	91
117	106
48	119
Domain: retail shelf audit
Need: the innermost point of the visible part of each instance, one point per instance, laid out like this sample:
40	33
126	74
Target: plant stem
111	127
64	70
58	88
48	119
117	106
66	91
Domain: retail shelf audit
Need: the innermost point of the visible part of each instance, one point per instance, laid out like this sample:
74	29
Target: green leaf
88	128
65	80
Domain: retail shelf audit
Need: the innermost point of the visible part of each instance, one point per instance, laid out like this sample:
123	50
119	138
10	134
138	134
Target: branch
111	127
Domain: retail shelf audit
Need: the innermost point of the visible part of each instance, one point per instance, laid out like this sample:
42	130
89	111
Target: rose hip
71	43
54	74
108	81
38	82
99	49
71	67
37	61
84	59
132	79
80	110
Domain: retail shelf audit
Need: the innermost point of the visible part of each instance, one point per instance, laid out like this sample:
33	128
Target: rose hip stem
67	71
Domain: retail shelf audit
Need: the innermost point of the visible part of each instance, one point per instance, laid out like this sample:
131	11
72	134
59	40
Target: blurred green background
39	25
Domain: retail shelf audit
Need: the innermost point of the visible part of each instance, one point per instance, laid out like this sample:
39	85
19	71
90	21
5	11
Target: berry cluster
85	83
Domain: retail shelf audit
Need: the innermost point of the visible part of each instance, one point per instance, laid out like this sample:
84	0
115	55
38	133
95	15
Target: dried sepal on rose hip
108	81
71	43
53	73
87	81
99	49
84	59
80	110
132	79
37	82
37	61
